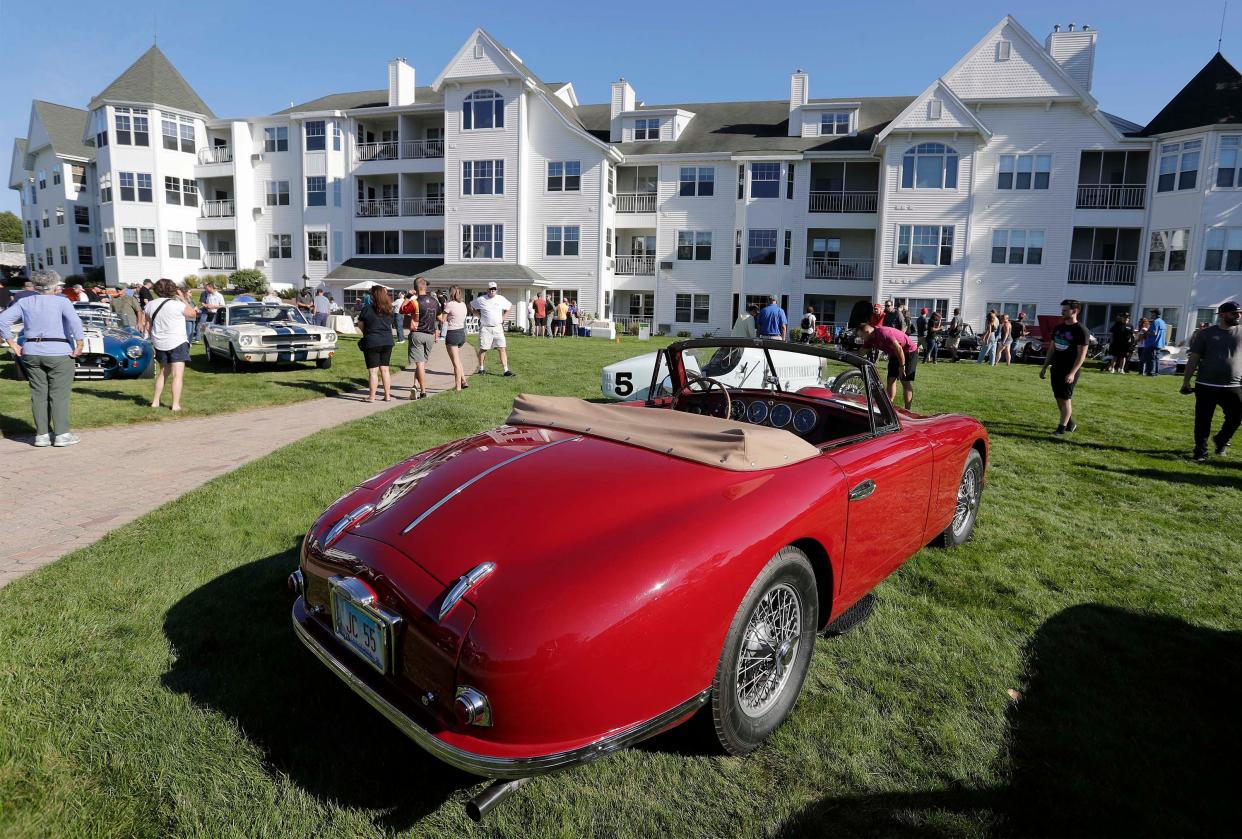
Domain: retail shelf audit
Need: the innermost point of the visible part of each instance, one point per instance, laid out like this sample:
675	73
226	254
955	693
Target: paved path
38	476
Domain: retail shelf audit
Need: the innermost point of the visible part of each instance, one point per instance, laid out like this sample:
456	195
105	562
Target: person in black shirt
892	317
1067	350
1121	344
145	294
1216	354
375	320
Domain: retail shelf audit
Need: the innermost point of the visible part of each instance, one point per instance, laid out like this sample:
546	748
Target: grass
150	685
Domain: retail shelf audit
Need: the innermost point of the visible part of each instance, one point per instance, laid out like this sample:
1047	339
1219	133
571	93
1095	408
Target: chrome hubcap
967	499
768	650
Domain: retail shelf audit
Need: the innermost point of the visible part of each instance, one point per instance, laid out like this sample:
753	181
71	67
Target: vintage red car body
617	573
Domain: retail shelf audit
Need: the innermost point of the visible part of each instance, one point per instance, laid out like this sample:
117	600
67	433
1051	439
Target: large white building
1002	185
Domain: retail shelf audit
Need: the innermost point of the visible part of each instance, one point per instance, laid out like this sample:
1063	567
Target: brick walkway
147	480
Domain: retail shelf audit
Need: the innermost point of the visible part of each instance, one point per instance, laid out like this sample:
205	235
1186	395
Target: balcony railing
220	260
626	323
636	202
386	150
853	201
378	208
827	268
215	154
416	149
643	266
1111	197
1102	272
422	206
218	209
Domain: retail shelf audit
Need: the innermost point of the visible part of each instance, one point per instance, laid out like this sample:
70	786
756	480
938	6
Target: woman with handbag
166	315
375	321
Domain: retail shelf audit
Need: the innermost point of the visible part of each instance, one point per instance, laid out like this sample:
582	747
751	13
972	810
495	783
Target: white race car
266	332
734	367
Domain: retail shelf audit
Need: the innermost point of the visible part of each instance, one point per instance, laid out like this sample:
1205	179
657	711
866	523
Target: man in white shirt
492	309
210	302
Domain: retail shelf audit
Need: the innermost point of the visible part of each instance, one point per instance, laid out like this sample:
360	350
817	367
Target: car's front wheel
766	653
966	508
323	363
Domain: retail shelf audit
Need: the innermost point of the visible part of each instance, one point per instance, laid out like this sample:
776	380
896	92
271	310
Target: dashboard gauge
804	420
781	414
738	411
757	412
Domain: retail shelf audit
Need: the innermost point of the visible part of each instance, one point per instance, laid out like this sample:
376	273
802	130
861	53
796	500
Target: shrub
286	294
683	334
248	280
796	335
191	281
634	329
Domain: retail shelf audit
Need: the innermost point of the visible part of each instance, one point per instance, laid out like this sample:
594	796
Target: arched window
929	166
483	109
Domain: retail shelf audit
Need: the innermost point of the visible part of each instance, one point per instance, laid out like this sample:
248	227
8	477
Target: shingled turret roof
1212	97
153	78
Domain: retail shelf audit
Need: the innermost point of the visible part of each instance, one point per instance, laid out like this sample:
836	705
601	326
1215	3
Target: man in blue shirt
1157	335
771	322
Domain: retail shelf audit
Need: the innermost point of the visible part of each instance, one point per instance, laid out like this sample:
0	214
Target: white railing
12	247
422	206
626	323
821	268
636	202
218	209
416	149
853	201
1102	272
1111	197
386	150
376	208
636	265
220	259
215	154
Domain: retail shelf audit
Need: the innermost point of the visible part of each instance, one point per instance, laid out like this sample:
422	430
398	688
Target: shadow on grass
1194	474
1128	726
115	395
237	655
1032	431
337	388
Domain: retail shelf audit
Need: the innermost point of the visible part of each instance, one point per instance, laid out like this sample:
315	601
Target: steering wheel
705	383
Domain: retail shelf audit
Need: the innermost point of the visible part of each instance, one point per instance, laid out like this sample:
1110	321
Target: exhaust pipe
482	804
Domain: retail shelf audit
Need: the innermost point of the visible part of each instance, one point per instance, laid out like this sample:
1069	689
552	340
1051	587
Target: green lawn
208	390
151	685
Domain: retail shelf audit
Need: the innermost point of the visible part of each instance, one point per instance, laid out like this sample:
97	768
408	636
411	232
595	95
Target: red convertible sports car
727	527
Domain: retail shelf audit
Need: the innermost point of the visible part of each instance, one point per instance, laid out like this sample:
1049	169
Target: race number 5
624	384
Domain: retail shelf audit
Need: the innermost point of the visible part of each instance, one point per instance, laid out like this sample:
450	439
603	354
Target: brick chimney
1074	50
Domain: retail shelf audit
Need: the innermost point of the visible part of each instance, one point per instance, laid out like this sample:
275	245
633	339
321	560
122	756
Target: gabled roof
65	128
361	99
1212	97
956	116
467	272
153	79
17	164
382	268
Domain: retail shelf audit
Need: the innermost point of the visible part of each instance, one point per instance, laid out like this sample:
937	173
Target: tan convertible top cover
724	444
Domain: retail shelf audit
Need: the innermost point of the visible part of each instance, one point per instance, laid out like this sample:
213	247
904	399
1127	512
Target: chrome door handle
862	490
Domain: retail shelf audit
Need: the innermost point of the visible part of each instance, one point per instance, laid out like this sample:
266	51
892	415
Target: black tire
850	382
323	363
235	363
1026	354
740	727
212	359
960	532
149	372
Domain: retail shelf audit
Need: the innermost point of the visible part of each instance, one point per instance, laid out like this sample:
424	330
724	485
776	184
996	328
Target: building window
280	246
790	168
929	166
1168	250
42	180
483	109
564	176
1017	247
147	237
168	128
317	192
483	177
422	242
482	241
109	243
336	136
47	221
56	176
176	245
124	127
646	129
1229	161
142	127
562	241
146	193
935	109
105	189
187	135
834	122
761	247
192	246
276	139
172	190
1001	307
741	181
1003	50
1223	249
1024	171
77	174
697	181
60	214
1179	165
189	192
612	179
277	194
923	244
788	246
64	255
737	247
317	245
127	186
694	245
86	255
315	142
377	242
692	308
608	242
765	180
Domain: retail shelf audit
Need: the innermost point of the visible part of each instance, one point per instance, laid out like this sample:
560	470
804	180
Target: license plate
361	631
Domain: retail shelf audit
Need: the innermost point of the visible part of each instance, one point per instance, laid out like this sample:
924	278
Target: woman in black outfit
375	321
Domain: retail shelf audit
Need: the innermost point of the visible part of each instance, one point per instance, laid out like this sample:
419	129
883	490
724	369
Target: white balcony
422	206
419	149
387	150
215	154
1102	272
220	260
828	268
378	208
218	209
641	266
854	201
1111	197
636	202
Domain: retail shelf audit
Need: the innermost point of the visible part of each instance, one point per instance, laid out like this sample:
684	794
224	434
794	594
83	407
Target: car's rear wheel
766	653
966	508
323	363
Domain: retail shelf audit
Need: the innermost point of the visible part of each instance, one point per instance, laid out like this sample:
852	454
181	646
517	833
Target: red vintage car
589	575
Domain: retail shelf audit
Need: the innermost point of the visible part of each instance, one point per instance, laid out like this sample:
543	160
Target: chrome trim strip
341	526
486	765
464	583
480	477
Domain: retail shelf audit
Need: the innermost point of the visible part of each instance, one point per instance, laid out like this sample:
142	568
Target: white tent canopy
367	285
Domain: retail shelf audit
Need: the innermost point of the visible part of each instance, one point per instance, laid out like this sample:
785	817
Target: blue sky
247	58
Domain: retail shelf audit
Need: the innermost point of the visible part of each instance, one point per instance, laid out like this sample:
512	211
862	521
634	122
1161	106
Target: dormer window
646	129
483	109
1003	49
834	122
935	108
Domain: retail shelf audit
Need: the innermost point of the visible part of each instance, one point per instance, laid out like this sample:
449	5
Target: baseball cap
1228	307
491	286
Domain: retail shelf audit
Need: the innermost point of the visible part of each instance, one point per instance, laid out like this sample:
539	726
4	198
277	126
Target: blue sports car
110	349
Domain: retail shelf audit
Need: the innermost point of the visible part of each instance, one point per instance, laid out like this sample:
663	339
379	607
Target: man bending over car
903	357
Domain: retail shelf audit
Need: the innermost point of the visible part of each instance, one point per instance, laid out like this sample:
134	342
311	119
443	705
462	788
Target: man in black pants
1067	350
1216	353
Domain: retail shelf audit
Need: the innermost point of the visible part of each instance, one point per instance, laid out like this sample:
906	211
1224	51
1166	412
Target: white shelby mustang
266	332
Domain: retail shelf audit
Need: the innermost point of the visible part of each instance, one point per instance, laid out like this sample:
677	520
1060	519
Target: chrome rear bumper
387	701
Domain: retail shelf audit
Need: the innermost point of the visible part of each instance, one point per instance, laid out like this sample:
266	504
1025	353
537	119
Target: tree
248	280
10	227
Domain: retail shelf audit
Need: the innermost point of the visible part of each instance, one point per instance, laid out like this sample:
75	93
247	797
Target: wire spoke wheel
967	500
770	645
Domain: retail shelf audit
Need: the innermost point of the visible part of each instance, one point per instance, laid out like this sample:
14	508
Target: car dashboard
805	416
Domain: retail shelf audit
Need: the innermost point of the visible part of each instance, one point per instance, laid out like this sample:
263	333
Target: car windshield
775	370
265	314
99	318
